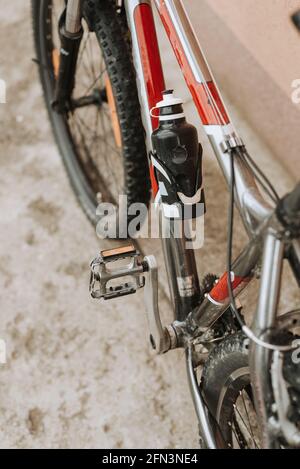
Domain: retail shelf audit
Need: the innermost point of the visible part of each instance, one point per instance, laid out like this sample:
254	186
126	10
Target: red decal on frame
152	69
220	294
211	111
149	51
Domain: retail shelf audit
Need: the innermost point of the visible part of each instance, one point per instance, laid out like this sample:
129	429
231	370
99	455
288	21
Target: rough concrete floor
78	374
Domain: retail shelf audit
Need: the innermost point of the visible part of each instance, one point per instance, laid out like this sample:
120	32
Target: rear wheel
227	390
102	140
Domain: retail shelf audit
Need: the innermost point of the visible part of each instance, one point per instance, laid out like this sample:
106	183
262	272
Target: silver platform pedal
103	273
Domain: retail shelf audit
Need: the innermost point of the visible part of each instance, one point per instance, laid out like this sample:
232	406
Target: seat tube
181	267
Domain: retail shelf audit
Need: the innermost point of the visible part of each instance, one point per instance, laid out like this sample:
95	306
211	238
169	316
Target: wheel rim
239	424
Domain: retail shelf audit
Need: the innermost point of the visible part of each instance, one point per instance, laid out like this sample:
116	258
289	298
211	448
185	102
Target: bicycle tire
225	375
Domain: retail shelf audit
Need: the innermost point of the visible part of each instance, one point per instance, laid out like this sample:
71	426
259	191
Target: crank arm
161	338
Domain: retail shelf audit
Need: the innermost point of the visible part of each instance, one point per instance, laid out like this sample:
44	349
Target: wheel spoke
87	91
239	434
233	427
245	425
247	413
106	154
83	48
92	60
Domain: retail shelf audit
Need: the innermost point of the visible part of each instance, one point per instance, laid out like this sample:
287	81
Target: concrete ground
78	374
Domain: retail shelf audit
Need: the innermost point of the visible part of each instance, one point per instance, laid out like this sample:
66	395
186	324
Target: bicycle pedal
103	273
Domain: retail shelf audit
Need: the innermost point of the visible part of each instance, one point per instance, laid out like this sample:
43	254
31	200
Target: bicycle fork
73	16
70	34
266	375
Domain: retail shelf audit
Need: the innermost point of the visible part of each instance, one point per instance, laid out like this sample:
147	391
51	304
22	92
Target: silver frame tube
199	404
264	320
181	267
73	16
255	211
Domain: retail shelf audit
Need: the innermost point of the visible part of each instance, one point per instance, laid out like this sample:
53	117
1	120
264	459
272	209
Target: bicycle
248	393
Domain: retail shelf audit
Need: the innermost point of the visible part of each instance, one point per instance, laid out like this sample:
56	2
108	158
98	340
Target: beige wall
254	51
264	29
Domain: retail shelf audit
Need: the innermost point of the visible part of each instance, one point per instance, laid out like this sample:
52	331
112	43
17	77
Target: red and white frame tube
192	62
146	56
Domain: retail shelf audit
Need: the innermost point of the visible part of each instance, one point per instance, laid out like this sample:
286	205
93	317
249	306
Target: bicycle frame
216	122
255	211
267	237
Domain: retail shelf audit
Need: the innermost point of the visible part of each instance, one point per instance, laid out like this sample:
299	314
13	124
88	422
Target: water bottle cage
176	202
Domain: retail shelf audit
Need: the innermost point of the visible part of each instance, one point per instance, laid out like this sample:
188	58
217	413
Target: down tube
180	262
147	63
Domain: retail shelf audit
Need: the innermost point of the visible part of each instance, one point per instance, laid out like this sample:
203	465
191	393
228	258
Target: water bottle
177	159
